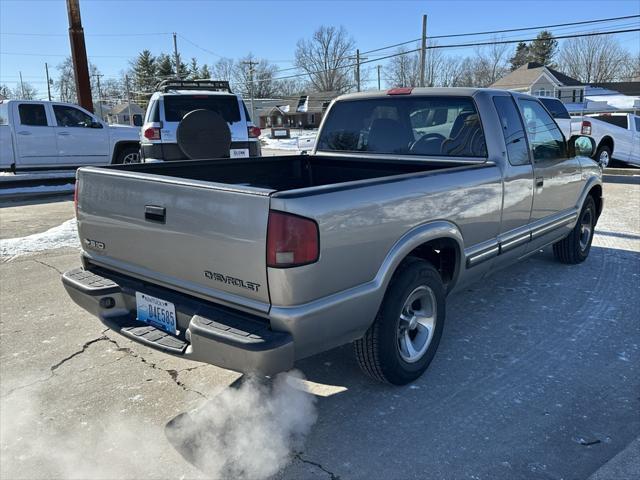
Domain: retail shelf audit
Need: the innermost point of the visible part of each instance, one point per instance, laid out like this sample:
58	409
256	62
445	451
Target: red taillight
254	132
586	128
291	240
400	91
152	133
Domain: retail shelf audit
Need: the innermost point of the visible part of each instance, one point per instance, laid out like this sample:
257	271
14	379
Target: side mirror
95	125
581	146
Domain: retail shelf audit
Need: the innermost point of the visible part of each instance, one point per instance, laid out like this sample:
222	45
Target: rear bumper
207	333
171	151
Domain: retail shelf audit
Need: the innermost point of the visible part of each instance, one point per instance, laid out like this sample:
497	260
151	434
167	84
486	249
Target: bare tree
450	73
66	84
326	58
491	64
434	60
403	70
290	87
631	71
593	59
262	76
223	69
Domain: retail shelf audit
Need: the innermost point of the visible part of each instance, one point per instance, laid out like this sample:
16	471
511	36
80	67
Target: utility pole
79	55
423	50
126	83
21	85
251	64
358	69
175	54
46	69
98	75
379	76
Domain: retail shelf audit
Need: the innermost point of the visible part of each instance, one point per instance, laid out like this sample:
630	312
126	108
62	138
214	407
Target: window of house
71	117
32	114
543	92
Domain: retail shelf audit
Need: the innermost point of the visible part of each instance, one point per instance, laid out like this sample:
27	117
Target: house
536	79
119	114
609	97
303	112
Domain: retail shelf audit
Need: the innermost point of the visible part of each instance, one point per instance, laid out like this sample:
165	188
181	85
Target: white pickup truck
617	136
39	134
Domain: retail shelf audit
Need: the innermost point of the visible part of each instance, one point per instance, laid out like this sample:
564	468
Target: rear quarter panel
359	226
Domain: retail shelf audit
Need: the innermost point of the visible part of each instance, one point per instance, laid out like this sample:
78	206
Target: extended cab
39	134
410	194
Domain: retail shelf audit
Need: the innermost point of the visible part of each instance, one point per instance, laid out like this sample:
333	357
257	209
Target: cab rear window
412	125
177	106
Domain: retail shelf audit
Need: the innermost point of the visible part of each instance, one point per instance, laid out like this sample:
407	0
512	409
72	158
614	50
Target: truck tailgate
201	238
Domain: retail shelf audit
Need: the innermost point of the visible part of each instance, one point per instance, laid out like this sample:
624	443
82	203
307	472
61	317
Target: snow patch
65	235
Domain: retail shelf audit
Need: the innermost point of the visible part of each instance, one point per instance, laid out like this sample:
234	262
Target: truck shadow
537	364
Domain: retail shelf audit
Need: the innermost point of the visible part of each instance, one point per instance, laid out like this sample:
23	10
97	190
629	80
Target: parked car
39	134
617	136
252	264
569	126
197	119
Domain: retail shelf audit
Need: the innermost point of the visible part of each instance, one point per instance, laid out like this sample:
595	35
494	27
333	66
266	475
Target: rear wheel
603	155
128	155
403	339
576	246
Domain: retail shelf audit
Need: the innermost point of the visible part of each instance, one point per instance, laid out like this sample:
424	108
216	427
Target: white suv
175	100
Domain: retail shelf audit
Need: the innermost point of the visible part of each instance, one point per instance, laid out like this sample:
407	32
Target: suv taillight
152	133
586	128
254	132
291	240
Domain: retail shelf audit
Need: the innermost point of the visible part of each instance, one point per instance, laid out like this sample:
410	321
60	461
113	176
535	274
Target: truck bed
287	172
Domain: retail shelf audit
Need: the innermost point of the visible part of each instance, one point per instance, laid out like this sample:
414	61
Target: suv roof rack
176	84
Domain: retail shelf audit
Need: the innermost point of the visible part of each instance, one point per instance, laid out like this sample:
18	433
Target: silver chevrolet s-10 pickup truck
251	264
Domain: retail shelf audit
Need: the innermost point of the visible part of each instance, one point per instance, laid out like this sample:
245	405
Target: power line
126	34
430	47
493	32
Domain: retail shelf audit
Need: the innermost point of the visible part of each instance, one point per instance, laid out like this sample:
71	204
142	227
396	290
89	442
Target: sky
35	32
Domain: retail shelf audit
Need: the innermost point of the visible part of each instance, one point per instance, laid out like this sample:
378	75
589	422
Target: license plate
156	312
239	152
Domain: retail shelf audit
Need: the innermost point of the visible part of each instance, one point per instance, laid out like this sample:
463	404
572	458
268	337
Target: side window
4	113
637	124
513	131
71	117
545	138
154	112
32	114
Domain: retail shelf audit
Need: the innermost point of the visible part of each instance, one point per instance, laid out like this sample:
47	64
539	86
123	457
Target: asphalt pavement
537	377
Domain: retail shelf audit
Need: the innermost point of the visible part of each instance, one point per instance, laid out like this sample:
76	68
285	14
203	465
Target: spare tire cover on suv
204	134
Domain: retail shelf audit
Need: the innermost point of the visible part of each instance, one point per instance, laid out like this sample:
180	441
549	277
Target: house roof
313	103
626	88
123	108
528	73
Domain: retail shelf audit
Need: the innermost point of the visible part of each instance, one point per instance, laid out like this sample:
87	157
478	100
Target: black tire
575	247
379	352
602	150
126	152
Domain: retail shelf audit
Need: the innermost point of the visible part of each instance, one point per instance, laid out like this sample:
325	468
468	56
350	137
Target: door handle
24	132
154	213
64	134
539	181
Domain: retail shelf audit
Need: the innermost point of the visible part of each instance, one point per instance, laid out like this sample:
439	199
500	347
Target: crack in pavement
46	265
332	475
173	374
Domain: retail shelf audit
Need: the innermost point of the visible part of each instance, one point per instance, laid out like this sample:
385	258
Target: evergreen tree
194	69
144	71
164	68
204	72
543	48
521	56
